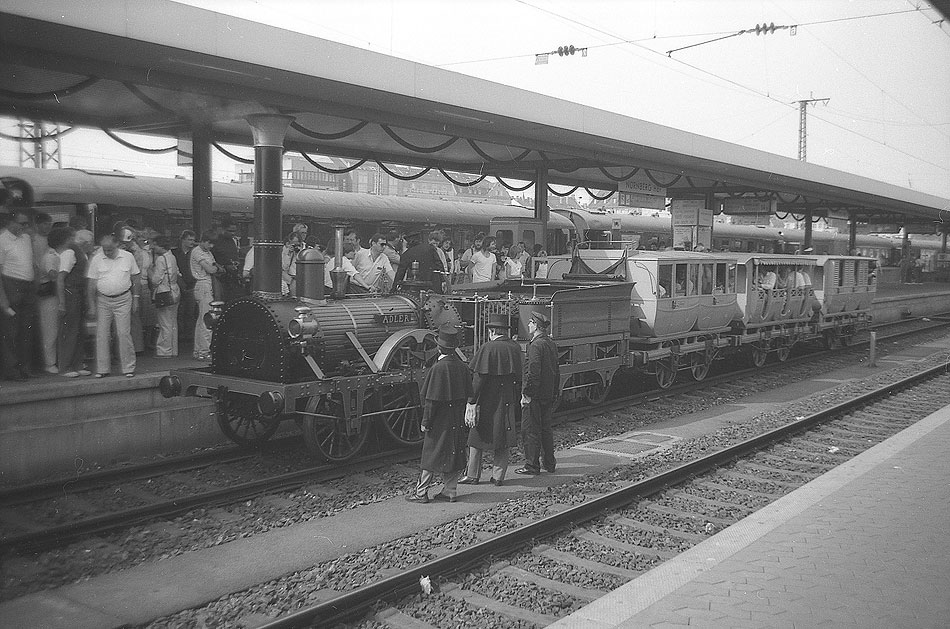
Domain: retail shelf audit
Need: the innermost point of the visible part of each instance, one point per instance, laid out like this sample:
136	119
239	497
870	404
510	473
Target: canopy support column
852	233
201	217
806	244
541	210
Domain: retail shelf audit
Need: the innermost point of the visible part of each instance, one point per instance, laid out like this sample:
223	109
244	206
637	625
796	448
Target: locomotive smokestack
268	130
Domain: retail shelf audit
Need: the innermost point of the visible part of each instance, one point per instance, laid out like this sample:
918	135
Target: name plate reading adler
394	318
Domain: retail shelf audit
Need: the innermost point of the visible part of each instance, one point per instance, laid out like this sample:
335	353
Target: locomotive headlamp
211	317
169	386
303	326
270	403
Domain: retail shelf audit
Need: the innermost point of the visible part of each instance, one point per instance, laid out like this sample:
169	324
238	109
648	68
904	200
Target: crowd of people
149	294
484	397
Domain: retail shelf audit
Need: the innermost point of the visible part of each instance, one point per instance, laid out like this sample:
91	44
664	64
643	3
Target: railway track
55	513
593	545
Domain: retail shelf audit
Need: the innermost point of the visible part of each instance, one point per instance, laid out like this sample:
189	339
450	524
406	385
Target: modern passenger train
103	198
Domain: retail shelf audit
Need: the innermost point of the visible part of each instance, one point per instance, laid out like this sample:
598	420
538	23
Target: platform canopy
157	67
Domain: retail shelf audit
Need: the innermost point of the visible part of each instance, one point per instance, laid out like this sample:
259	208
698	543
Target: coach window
527	237
680	287
706	278
664	281
504	237
692	286
721	282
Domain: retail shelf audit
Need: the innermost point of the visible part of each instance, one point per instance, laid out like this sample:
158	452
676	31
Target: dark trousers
72	332
537	438
187	314
18	330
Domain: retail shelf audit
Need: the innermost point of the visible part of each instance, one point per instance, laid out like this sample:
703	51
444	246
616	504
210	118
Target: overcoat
445	389
542	376
496	388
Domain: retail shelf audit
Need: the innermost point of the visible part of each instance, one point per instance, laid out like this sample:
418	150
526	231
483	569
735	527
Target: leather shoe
525	471
423	499
496	483
468	480
549	471
440	497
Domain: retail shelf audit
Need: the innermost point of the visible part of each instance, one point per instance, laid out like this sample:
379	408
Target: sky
882	65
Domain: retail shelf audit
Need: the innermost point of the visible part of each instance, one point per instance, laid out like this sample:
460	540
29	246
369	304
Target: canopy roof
154	66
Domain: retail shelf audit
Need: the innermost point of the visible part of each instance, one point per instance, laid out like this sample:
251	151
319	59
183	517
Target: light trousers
48	311
167	342
115	311
204	295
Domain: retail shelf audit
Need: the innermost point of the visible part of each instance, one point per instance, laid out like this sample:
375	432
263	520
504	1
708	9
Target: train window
679	290
665	280
504	237
722	282
706	279
528	238
692	286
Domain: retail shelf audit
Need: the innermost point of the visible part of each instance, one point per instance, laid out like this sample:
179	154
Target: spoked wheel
402	413
596	393
699	366
242	423
782	352
665	373
400	404
759	355
328	436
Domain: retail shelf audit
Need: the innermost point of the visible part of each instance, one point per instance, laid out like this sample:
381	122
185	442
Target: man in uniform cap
492	406
430	268
542	379
445	389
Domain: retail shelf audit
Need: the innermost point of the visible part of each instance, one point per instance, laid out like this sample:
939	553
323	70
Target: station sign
637	199
883	228
742	205
921	228
691	212
639	183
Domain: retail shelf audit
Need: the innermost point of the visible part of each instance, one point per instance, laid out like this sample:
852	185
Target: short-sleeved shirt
49	262
16	256
377	268
199	255
67	260
484	268
113	276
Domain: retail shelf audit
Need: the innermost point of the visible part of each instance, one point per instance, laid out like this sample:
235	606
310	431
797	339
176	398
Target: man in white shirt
374	266
483	263
113	294
17	298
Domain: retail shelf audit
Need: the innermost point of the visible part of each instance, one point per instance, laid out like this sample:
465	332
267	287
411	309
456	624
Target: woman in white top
164	275
514	268
48	307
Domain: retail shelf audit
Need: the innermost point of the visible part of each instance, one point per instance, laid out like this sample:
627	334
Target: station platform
50	425
864	545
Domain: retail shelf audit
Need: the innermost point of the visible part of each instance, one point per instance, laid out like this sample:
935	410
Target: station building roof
158	67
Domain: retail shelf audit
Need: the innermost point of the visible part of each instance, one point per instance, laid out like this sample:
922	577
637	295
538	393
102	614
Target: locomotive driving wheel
401	408
241	422
328	435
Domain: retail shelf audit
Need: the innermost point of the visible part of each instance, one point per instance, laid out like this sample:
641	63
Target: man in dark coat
446	387
491	410
542	378
227	255
431	270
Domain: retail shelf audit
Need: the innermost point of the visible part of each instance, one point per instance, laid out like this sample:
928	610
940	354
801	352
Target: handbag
165	298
